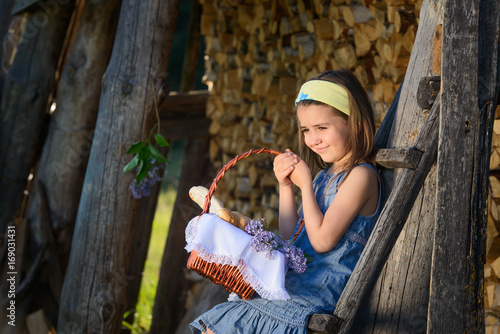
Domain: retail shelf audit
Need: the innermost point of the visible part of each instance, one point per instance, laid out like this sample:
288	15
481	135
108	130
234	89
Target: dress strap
355	237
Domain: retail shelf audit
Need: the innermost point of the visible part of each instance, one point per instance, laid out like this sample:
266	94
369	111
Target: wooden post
456	303
61	168
6	40
140	246
193	45
399	299
172	290
27	88
391	222
94	291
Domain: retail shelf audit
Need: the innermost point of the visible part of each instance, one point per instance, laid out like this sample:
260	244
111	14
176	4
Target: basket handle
231	163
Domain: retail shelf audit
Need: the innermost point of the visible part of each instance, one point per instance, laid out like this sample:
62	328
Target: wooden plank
398	302
140	246
193	44
458	153
324	324
456	303
7	35
63	160
172	286
392	158
93	298
389	224
488	91
190	102
182	128
27	88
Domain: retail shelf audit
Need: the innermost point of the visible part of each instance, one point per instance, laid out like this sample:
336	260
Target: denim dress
317	290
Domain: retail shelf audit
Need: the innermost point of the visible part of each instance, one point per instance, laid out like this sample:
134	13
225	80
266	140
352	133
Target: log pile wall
492	267
258	53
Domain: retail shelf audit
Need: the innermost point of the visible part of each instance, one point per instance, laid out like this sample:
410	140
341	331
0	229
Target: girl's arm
358	193
284	164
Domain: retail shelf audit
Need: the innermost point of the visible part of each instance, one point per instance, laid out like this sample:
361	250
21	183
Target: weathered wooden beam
455	301
193	45
183	128
183	115
27	88
392	158
172	286
93	298
64	157
194	101
324	324
390	223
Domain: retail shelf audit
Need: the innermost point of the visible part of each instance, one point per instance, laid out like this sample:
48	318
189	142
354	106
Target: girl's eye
322	128
305	130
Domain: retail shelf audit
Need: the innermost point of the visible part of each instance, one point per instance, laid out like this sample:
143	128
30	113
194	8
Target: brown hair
360	122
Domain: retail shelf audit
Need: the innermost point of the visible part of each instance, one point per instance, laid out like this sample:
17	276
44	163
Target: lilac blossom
266	241
143	188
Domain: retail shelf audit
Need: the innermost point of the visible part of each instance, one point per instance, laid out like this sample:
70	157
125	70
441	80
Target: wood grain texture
94	292
66	150
27	88
389	225
399	299
456	304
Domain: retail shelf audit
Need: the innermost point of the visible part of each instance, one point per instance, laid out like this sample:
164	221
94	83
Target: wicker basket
228	276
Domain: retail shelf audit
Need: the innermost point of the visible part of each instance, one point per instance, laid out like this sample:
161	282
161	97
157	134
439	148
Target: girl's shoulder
365	168
365	172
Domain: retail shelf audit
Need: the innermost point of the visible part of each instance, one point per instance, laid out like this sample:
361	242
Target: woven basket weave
225	275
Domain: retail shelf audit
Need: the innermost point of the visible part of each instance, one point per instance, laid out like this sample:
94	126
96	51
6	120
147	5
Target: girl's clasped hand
285	164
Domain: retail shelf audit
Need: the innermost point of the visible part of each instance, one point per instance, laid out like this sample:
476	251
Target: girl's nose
315	139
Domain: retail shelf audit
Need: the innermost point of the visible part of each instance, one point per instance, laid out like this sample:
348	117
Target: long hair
361	123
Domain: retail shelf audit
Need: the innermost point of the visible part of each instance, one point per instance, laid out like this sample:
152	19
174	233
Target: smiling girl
339	208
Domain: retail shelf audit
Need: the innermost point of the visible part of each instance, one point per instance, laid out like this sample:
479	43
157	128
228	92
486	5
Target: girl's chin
326	158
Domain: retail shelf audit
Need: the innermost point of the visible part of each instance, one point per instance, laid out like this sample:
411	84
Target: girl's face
325	132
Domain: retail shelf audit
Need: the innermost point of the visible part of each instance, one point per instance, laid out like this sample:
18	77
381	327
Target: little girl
339	208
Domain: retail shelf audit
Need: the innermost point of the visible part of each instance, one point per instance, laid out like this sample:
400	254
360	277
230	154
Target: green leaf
143	170
132	164
308	257
145	154
136	147
127	313
156	154
126	324
161	141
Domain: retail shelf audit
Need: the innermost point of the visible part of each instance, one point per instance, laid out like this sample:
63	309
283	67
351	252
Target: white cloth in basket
215	240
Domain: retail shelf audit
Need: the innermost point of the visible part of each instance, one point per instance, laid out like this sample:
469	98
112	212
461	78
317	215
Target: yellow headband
326	92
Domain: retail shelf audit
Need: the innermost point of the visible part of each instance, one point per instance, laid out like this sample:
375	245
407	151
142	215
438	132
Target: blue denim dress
317	290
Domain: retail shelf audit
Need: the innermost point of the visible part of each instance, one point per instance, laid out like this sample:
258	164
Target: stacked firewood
492	267
258	53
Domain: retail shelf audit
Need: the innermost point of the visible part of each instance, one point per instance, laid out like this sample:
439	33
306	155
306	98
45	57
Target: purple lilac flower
143	188
253	227
266	241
